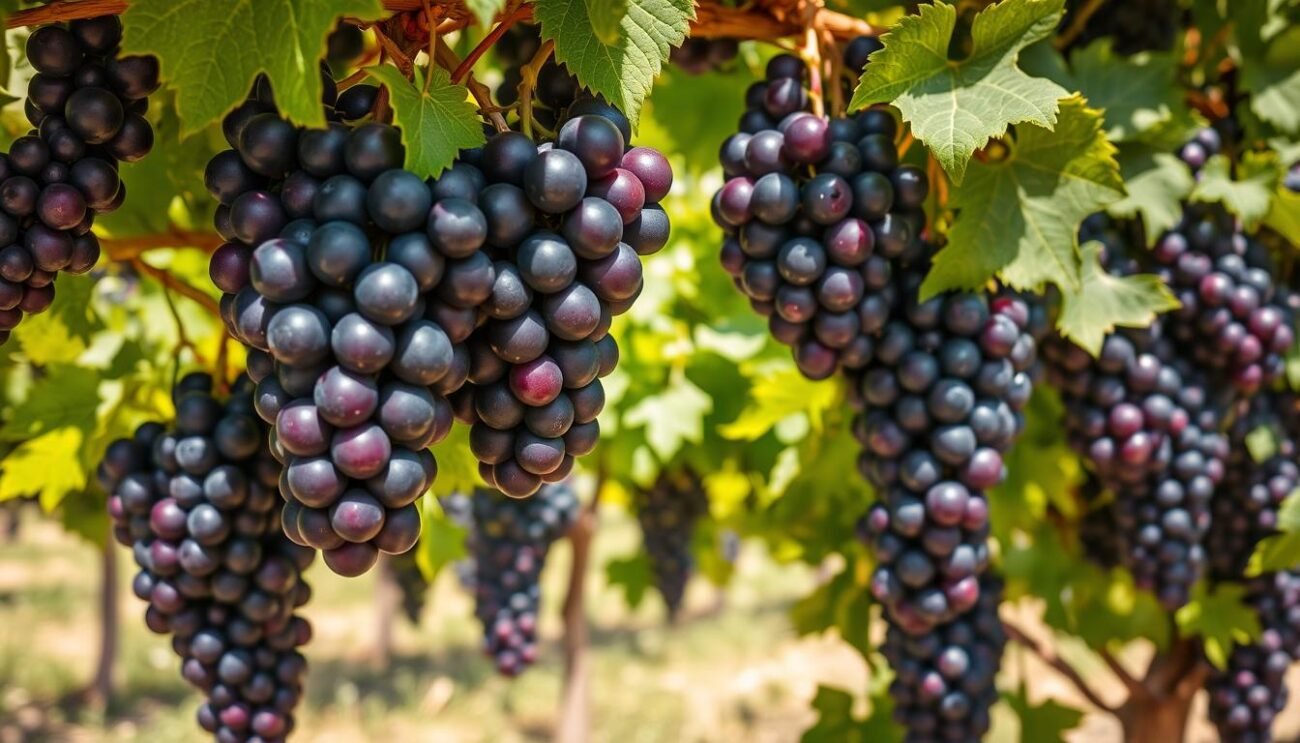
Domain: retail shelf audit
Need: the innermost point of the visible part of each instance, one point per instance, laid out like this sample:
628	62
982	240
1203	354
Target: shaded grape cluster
944	678
1146	422
1132	26
816	211
667	512
198	506
697	56
567	223
509	543
411	583
86	103
943	398
356	283
1098	532
1248	500
1247	696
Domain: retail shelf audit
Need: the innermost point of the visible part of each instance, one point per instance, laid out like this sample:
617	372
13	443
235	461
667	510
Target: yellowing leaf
955	108
671	418
1020	217
49	464
776	396
1221	619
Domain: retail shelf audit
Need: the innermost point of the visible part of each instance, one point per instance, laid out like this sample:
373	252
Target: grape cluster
509	543
1232	319
567	224
87	105
410	580
1292	179
815	212
1098	532
1146	423
943	398
697	56
1248	695
1247	503
1133	26
944	678
357	298
667	512
198	507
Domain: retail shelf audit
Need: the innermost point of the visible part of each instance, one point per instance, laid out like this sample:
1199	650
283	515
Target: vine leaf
1248	196
47	463
485	11
1136	94
835	720
1105	301
622	71
1221	618
210	52
1284	214
606	15
955	108
437	122
441	543
1271	75
1045	722
667	433
1282	550
632	574
1157	184
1019	216
777	395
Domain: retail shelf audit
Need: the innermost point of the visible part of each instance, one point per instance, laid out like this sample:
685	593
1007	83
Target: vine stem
1058	664
446	58
713	19
130	248
182	339
512	17
1077	24
172	283
528	81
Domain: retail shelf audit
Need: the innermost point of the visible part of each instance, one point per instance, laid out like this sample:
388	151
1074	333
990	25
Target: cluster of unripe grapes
816	212
198	506
86	103
509	542
668	511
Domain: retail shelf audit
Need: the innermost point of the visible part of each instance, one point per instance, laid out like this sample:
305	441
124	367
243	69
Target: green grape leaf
622	71
86	516
633	575
1249	195
1221	618
1284	215
776	396
1157	183
437	122
836	723
457	467
1019	217
1261	443
1280	551
1136	93
442	541
955	108
210	52
606	17
65	396
1104	301
47	464
1273	81
485	11
1047	722
671	418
